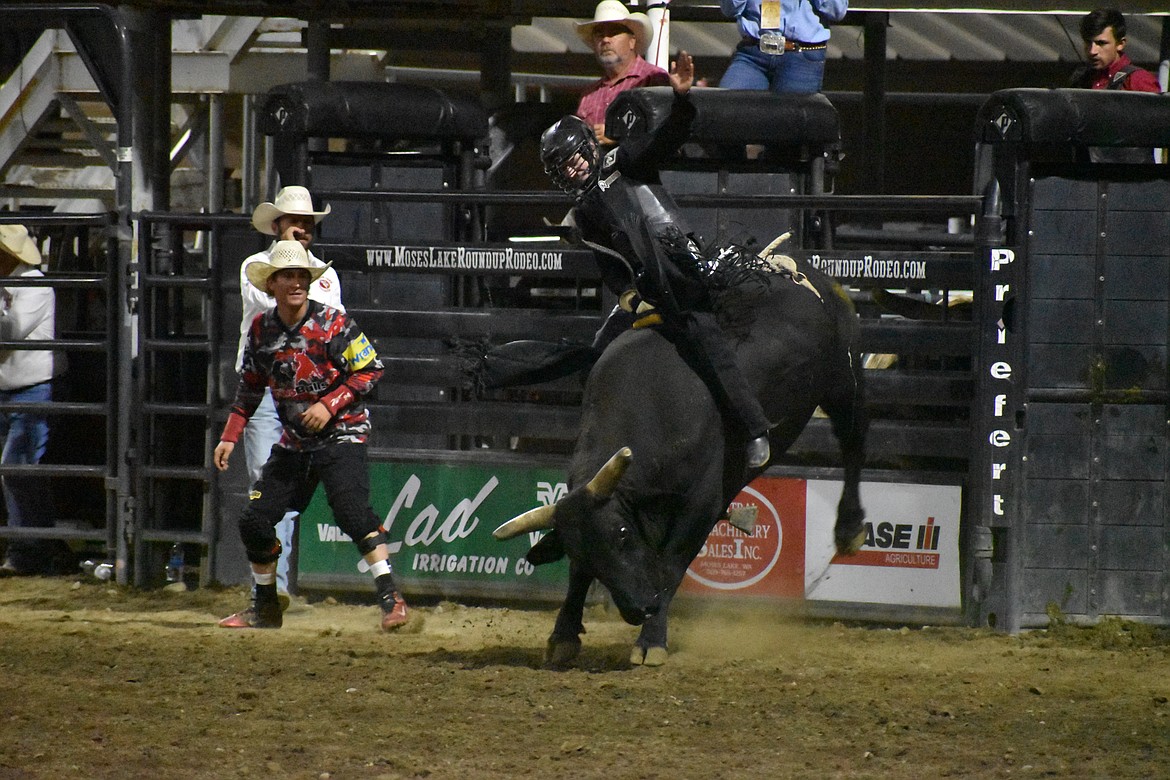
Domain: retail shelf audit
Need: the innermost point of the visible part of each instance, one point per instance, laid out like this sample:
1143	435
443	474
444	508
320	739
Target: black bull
635	520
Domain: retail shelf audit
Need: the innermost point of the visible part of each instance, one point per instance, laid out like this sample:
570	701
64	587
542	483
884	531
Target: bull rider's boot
264	612
758	452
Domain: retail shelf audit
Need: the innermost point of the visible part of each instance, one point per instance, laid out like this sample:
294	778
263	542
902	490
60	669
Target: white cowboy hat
285	254
15	241
293	199
614	11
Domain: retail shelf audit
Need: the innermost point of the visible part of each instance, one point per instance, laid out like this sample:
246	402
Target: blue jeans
25	435
263	431
795	71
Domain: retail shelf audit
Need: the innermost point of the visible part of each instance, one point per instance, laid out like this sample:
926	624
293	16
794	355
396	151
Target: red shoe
393	611
254	617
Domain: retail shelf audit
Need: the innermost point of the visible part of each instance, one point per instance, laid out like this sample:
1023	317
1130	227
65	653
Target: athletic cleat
255	617
393	611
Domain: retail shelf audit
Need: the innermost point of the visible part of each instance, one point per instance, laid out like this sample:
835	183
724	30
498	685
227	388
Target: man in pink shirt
618	38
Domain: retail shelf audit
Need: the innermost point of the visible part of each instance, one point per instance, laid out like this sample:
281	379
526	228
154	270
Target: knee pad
259	537
370	543
267	555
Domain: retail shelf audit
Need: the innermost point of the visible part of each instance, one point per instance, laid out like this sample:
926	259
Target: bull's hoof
849	545
648	656
561	653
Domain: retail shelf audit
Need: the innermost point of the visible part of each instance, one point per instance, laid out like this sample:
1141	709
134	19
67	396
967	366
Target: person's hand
223	451
316	417
682	73
602	138
292	233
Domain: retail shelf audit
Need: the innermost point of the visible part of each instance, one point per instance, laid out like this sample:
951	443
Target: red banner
767	562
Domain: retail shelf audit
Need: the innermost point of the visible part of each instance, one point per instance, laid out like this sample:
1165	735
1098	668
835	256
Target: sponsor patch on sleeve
360	353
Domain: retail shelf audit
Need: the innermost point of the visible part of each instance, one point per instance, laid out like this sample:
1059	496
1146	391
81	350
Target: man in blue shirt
783	46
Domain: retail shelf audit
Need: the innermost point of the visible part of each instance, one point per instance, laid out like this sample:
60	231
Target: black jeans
718	367
288	481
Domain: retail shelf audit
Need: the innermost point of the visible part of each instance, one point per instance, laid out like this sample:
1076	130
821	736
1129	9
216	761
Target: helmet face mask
569	152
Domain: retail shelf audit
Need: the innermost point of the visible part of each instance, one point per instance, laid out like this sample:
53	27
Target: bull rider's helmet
568	137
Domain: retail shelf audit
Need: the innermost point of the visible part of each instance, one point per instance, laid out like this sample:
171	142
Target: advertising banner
439	520
767	562
911	551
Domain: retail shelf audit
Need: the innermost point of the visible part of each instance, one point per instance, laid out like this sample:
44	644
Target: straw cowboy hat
285	254
614	11
293	199
15	242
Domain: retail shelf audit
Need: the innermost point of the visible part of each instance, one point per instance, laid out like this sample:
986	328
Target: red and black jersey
325	357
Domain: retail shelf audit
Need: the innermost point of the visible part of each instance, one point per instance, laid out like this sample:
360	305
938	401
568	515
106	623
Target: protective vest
639	229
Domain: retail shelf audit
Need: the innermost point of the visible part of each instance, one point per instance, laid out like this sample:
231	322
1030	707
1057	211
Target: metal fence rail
178	403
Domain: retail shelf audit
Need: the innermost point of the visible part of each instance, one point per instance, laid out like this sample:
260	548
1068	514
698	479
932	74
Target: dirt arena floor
98	681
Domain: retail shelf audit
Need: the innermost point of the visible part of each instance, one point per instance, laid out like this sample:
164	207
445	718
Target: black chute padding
1075	117
731	116
369	109
549	549
526	362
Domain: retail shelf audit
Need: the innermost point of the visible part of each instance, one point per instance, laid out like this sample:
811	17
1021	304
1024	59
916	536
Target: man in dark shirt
644	248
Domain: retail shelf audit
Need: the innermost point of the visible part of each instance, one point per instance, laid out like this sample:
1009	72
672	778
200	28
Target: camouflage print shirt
326	358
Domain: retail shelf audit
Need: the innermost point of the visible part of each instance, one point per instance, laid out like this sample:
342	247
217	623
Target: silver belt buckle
771	42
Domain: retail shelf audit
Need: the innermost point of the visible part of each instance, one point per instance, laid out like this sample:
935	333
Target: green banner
439	521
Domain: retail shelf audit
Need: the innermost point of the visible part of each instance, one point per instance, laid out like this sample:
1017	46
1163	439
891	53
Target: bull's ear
605	481
548	550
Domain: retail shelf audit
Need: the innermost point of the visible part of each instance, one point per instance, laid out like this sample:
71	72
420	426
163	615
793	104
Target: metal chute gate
81	475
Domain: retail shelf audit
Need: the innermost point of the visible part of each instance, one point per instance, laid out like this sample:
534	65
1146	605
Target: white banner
911	551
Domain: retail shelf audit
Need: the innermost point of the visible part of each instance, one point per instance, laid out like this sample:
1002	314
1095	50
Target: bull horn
539	519
605	482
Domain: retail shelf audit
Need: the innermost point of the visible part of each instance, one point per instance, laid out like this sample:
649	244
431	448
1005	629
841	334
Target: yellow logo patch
255	494
360	353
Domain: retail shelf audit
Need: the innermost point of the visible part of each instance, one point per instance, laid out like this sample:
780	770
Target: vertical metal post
1164	56
214	156
1161	155
658	53
495	83
123	273
249	153
873	120
214	317
317	44
317	69
211	518
996	472
149	66
269	169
